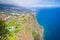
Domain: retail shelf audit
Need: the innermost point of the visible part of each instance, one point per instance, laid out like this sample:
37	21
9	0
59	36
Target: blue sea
49	18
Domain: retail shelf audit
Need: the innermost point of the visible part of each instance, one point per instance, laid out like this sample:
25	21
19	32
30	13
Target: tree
3	31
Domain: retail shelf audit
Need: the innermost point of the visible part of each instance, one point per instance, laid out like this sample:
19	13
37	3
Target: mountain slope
21	24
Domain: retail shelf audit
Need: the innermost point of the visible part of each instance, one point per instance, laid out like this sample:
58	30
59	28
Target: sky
32	3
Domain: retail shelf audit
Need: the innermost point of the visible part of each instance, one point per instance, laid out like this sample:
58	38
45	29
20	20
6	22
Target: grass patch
28	30
33	33
11	22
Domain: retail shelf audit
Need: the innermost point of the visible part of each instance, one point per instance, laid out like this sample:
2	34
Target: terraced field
22	27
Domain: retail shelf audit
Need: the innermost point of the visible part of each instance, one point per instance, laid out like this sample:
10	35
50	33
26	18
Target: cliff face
23	26
20	24
31	30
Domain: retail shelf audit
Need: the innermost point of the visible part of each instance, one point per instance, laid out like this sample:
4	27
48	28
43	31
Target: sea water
49	18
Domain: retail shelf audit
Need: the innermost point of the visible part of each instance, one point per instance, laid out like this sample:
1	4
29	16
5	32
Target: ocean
49	18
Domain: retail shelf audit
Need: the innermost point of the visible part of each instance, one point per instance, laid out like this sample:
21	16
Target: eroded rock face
23	26
20	24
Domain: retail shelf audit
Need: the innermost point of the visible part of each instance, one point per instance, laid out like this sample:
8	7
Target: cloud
32	3
20	2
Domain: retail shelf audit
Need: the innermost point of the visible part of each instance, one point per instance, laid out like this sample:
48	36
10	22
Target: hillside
21	25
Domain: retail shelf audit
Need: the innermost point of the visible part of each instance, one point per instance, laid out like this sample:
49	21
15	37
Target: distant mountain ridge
6	5
14	9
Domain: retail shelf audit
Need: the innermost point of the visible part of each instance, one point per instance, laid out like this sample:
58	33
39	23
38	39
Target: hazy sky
32	3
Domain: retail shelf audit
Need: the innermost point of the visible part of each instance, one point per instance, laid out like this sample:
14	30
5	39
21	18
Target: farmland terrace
22	26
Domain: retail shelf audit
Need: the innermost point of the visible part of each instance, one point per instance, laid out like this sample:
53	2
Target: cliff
21	24
24	26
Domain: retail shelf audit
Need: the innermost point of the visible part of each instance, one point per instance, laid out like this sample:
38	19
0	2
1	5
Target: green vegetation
5	34
33	33
11	22
11	37
28	30
37	37
3	31
15	23
18	26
